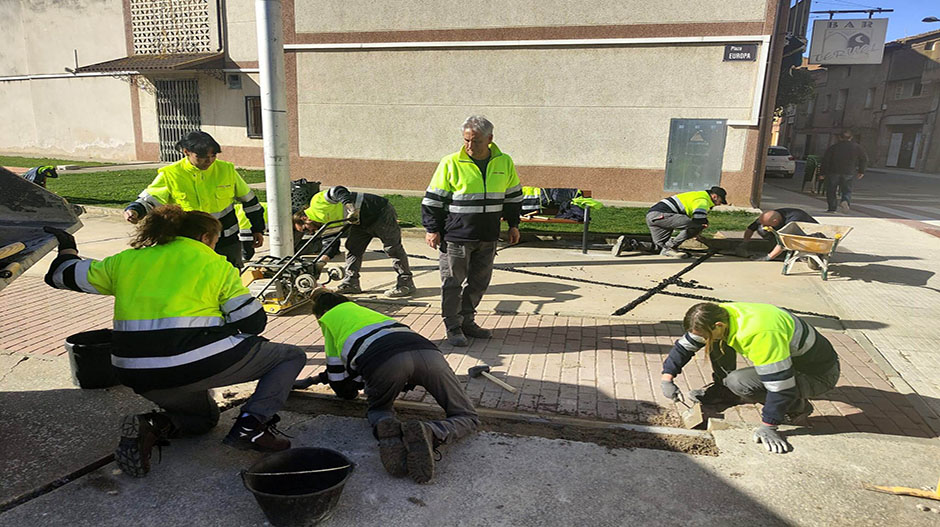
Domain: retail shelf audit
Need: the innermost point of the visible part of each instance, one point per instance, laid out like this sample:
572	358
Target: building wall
595	117
905	60
79	117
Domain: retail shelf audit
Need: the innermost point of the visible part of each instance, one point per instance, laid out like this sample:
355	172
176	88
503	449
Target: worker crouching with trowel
792	362
390	358
183	324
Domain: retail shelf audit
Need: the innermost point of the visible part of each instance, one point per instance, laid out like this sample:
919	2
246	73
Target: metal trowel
692	415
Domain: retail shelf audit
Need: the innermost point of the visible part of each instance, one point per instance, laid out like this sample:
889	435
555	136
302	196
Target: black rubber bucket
300	486
90	359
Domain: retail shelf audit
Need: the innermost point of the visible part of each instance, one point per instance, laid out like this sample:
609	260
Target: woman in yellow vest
792	362
201	182
363	345
183	324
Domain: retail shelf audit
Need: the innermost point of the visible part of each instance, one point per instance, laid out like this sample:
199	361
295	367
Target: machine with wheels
284	284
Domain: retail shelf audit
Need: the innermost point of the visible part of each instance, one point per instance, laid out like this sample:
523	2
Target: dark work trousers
466	269
275	366
232	252
662	224
841	183
385	228
385	380
745	383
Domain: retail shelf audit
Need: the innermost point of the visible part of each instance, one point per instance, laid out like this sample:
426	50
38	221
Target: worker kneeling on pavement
183	323
364	345
792	362
774	218
372	217
686	212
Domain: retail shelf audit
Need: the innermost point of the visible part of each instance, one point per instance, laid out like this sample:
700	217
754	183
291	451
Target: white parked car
779	162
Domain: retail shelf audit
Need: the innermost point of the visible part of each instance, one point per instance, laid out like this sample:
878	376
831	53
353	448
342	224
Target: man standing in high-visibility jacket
687	212
200	182
470	192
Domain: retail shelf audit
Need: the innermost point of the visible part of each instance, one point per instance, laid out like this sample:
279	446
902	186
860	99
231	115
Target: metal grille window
253	116
177	114
171	26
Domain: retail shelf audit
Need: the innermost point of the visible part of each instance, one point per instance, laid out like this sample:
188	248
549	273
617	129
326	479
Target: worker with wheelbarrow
792	362
365	345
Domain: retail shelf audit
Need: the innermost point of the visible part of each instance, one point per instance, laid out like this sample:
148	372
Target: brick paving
596	368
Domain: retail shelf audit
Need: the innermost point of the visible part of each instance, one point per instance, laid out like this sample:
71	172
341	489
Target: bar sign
747	52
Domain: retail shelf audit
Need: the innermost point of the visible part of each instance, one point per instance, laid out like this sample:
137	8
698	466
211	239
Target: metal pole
274	126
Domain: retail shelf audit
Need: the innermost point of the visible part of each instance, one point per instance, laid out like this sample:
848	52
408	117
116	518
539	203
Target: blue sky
903	22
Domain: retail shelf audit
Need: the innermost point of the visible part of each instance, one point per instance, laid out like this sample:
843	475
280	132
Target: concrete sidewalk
887	276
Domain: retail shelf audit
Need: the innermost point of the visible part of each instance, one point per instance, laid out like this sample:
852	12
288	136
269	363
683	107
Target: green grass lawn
30	162
117	189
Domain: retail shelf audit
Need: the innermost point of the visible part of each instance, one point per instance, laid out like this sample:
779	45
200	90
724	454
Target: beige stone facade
376	91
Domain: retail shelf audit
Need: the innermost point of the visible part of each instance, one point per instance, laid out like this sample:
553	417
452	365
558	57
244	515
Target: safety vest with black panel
181	313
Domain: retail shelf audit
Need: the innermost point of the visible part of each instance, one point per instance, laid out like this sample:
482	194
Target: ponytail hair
165	223
199	142
701	319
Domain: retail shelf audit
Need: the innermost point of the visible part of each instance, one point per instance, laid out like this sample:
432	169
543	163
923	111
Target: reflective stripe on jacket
465	205
349	329
213	191
695	205
181	313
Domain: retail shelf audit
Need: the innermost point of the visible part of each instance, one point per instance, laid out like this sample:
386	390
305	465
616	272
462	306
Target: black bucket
90	359
299	486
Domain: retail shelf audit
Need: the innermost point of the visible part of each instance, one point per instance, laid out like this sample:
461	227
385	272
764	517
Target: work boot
799	411
716	393
455	337
347	288
392	450
844	207
419	442
249	433
618	246
139	434
471	329
401	290
669	253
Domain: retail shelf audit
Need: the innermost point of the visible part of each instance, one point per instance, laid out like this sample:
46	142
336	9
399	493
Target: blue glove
774	442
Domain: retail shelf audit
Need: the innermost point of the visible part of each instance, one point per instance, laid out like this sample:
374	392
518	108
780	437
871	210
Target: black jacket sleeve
682	352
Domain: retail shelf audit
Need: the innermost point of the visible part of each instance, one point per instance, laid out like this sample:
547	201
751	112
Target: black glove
323	377
66	240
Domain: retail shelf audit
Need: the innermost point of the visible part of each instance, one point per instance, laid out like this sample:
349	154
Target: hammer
484	370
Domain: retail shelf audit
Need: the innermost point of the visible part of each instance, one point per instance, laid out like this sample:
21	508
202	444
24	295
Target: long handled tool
316	236
484	370
11	249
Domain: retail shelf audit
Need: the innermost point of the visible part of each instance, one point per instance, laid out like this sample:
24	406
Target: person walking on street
372	217
183	324
842	164
773	218
470	192
792	362
201	182
364	345
687	212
